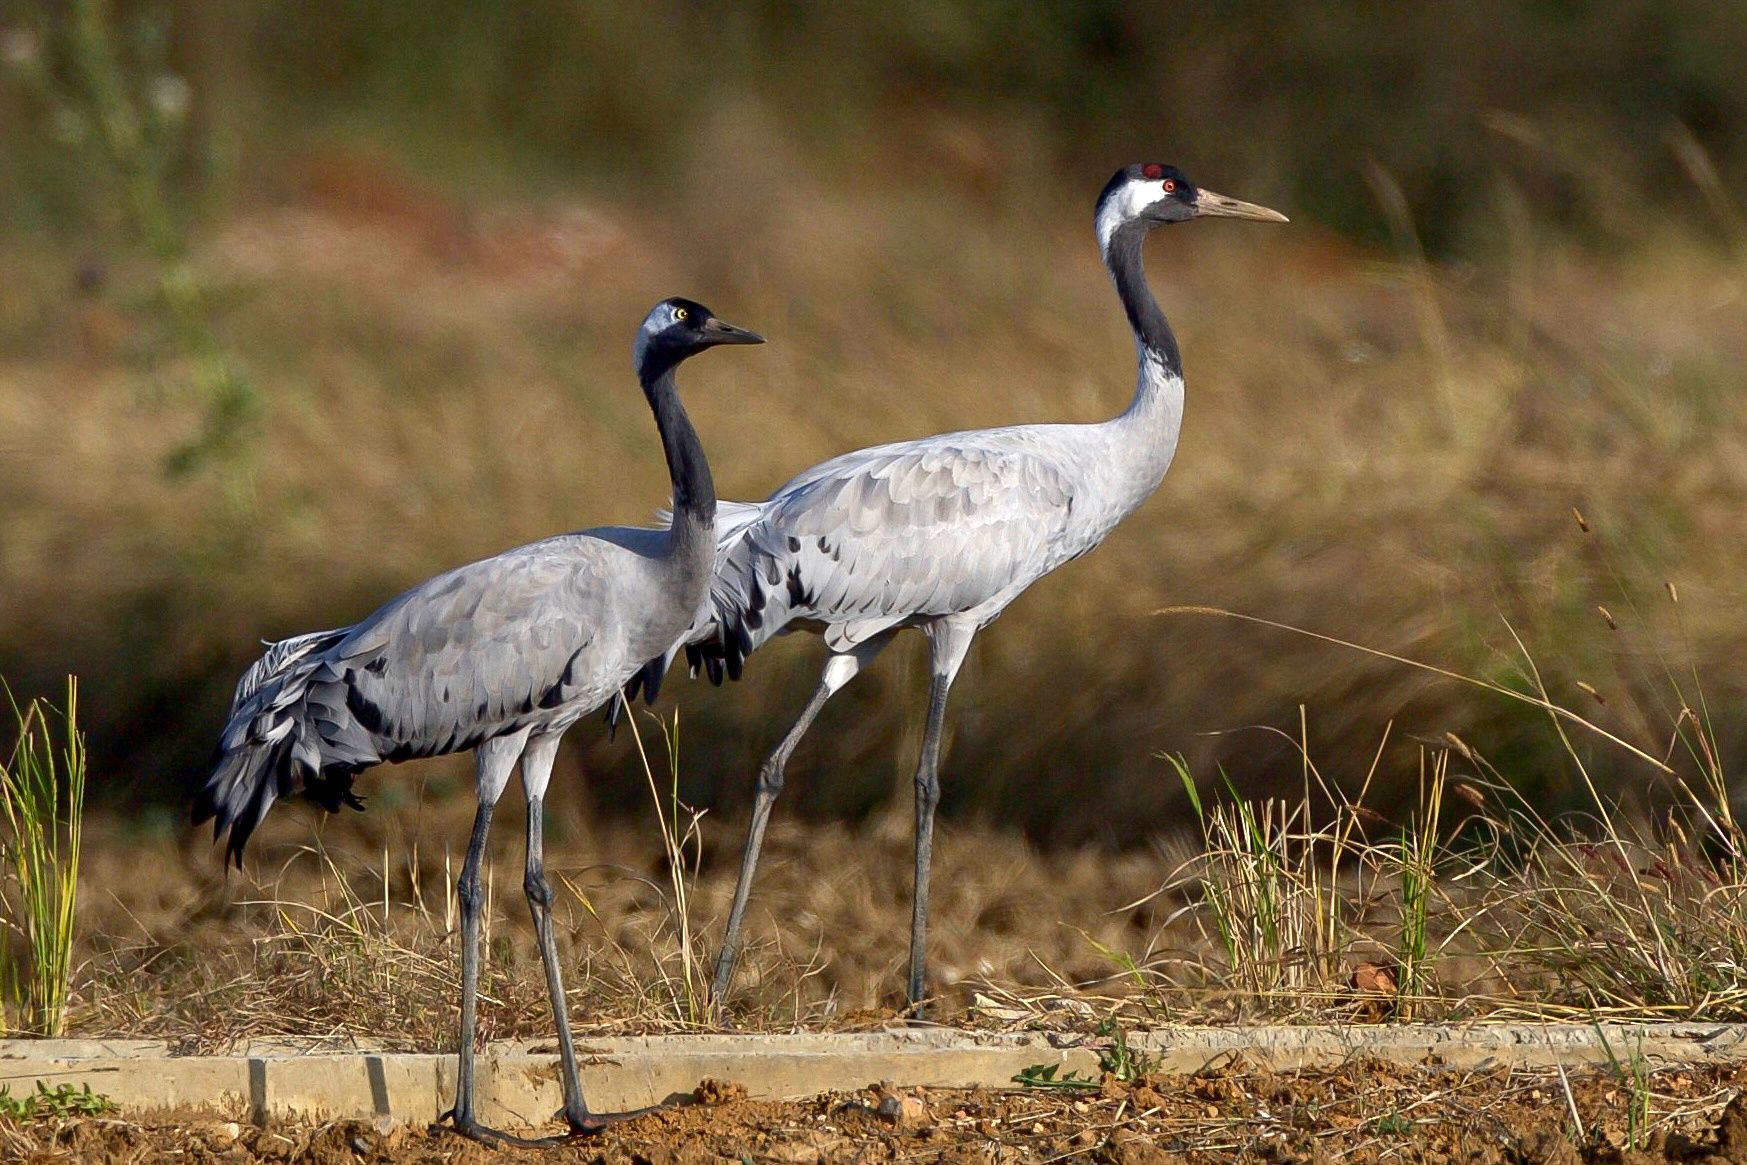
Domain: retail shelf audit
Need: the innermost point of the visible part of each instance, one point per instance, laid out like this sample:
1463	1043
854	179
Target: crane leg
495	761
839	670
948	644
536	771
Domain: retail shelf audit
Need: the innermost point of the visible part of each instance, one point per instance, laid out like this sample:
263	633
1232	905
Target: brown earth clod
1360	1114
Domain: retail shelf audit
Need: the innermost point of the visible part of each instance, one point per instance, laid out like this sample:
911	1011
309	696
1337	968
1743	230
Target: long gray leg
536	772
839	670
472	897
494	762
948	644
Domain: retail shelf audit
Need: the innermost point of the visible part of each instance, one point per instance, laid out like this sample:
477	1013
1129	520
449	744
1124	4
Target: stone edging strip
519	1081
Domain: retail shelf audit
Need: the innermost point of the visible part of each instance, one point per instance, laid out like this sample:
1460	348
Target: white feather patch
660	318
1125	205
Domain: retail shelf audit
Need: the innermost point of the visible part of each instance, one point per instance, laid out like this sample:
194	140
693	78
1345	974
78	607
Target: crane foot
582	1122
592	1124
467	1126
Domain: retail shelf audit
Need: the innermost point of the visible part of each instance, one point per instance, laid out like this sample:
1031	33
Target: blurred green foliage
111	116
1578	99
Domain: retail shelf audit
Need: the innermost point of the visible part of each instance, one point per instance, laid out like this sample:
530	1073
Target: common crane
501	657
943	532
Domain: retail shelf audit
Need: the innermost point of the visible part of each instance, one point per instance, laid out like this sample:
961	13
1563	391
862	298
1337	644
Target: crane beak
1211	205
717	332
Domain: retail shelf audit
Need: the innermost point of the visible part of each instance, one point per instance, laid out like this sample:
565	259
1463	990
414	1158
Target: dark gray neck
694	493
1151	332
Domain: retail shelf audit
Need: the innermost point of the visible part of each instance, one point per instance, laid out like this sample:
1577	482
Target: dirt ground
1362	1113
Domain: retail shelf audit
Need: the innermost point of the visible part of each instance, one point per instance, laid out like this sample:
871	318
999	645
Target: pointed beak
720	333
1211	205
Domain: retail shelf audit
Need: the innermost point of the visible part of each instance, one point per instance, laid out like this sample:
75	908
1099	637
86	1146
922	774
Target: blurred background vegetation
305	301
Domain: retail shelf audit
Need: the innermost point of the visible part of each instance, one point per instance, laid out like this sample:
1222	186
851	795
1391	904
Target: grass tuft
1483	904
42	802
682	848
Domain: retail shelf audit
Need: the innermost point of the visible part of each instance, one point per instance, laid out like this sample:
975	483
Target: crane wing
883	536
474	653
471	653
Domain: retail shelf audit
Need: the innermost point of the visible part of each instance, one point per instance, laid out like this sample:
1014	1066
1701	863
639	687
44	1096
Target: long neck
1144	436
1153	339
694	493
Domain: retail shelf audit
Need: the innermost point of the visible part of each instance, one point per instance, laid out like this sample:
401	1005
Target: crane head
1151	194
677	328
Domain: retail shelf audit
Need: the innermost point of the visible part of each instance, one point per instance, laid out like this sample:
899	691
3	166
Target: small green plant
1417	856
1118	1058
1634	1074
60	1102
42	801
1395	1124
1045	1076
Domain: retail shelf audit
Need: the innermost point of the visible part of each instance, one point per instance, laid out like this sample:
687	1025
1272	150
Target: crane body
500	657
942	533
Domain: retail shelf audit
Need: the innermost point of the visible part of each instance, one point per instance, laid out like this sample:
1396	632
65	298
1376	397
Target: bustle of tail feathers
278	657
261	756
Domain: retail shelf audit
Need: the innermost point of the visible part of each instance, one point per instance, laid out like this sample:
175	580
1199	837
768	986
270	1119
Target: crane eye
679	313
1170	185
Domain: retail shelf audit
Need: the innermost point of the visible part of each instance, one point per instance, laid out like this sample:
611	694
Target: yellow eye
679	313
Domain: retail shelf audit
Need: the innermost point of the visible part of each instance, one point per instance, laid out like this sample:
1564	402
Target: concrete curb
519	1081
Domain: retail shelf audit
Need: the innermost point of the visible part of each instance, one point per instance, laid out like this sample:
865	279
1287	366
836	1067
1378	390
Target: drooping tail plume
273	747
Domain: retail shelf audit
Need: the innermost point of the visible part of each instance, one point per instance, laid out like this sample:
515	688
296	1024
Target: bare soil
1362	1113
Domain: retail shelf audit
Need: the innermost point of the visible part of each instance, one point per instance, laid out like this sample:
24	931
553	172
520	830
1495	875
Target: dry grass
319	941
1305	908
1377	448
1479	908
1313	909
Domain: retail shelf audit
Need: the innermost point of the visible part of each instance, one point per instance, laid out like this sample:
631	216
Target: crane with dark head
942	533
499	657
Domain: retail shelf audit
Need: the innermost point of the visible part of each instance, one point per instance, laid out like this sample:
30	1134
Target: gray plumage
527	641
944	532
500	657
950	527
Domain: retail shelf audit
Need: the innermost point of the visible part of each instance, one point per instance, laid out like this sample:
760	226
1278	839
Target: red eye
1152	170
1170	185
